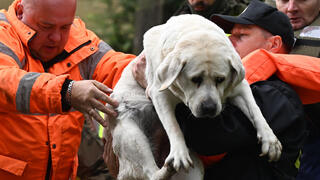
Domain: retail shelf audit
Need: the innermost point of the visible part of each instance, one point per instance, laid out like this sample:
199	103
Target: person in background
305	19
207	7
59	72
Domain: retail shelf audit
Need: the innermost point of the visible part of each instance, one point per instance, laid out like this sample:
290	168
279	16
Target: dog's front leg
244	100
165	103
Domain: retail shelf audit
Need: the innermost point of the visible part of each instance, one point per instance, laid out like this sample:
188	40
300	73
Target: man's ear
19	10
275	44
169	69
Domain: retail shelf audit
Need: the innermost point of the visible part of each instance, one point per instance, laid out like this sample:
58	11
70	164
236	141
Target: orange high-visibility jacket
32	122
301	72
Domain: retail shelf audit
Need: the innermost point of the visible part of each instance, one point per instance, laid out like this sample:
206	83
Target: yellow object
297	163
100	132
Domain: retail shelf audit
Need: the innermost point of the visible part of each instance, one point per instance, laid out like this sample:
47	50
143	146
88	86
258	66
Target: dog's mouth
207	115
207	108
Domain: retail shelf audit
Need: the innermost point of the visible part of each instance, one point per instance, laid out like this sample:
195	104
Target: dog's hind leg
133	150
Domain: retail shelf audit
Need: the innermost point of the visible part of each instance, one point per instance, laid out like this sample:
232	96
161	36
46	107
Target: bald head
52	21
49	5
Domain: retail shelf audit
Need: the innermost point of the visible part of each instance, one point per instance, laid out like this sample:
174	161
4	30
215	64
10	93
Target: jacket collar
24	32
258	66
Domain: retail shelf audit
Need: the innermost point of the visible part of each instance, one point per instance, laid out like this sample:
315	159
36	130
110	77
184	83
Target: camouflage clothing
271	2
226	7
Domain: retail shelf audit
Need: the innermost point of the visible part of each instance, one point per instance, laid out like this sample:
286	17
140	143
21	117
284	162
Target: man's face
300	12
52	21
247	38
201	5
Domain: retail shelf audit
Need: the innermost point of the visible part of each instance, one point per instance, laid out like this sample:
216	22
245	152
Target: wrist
66	104
69	93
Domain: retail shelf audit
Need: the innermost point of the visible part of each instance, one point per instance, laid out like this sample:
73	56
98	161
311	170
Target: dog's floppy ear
237	72
169	70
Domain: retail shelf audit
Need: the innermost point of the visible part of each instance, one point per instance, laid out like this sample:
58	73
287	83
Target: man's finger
102	87
101	107
94	114
103	97
107	110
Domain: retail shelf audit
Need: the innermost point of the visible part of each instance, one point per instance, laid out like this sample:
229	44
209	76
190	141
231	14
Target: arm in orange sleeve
110	64
301	72
28	92
109	69
22	91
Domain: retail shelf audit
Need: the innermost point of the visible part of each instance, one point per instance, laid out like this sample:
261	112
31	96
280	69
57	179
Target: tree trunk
148	14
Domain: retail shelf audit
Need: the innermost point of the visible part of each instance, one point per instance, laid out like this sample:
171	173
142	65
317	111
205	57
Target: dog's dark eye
197	80
219	80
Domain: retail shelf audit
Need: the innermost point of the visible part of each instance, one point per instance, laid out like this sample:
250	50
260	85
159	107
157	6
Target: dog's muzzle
208	108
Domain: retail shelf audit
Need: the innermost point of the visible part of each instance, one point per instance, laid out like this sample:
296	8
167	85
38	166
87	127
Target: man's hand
138	70
86	96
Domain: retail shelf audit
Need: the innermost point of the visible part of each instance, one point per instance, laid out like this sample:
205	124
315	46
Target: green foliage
115	24
4	4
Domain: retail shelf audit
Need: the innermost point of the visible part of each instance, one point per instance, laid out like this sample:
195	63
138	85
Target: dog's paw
270	145
179	157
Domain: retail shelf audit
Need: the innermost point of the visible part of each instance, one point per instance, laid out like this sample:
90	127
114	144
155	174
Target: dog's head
202	70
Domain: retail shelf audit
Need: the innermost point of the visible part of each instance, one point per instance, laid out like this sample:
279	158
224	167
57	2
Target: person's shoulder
8	35
234	7
274	83
80	31
279	89
78	23
5	25
311	31
183	9
308	39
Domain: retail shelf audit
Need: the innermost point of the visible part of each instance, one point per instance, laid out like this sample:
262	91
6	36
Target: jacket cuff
65	105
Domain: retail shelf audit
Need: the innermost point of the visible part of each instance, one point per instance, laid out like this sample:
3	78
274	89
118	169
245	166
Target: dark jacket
227	7
233	133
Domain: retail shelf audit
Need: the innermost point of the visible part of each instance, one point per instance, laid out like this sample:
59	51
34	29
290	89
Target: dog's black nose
208	108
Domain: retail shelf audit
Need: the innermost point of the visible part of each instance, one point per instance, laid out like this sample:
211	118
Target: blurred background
118	22
122	23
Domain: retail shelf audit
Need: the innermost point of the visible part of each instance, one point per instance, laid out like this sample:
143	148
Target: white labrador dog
189	60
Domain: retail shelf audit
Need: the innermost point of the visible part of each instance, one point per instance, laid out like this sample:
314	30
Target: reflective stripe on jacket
32	121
